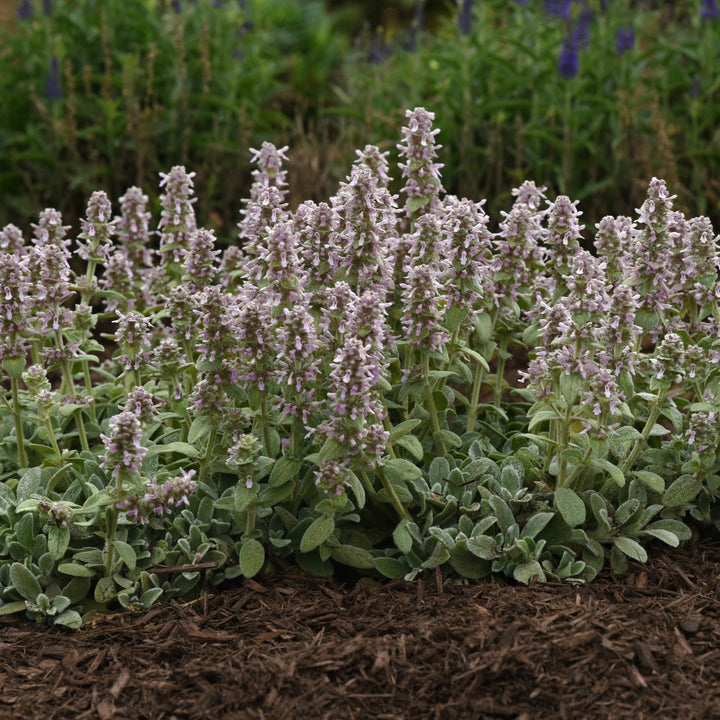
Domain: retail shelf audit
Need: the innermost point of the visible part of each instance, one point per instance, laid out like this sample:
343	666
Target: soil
645	645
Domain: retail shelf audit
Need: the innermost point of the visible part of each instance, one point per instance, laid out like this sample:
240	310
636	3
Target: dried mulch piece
643	646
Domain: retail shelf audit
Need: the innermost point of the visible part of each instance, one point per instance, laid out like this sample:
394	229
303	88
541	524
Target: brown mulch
646	645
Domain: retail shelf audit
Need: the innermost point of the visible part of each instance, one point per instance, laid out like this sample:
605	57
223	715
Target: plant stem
640	443
205	465
399	507
17	417
499	377
430	400
474	397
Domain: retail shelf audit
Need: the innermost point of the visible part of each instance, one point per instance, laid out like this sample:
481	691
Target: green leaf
25	531
570	506
412	445
181	448
312	564
23	580
467	563
401	469
542	416
353	556
13	607
684	490
29	484
251	557
631	548
331	450
613	470
669	538
126	554
651	479
58	541
319	531
391	567
570	386
404	428
358	489
75	569
483	546
503	513
536	524
439	470
284	469
199	428
150	596
70	619
449	438
526	571
105	590
402	537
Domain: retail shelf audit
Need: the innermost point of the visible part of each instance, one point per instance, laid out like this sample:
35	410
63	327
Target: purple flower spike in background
625	39
709	10
47	8
561	8
53	86
465	17
24	10
568	62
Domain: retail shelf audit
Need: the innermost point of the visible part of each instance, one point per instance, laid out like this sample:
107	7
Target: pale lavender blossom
563	236
180	303
377	162
614	242
355	407
118	276
159	497
269	160
168	358
315	228
518	254
333	477
50	270
266	205
335	303
469	244
279	265
243	454
213	324
14	289
422	174
253	327
133	338
143	404
123	451
49	229
423	305
200	261
429	244
177	218
297	360
366	221
133	225
703	431
98	227
11	239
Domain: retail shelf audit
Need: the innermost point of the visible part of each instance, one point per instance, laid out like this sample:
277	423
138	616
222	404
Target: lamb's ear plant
331	391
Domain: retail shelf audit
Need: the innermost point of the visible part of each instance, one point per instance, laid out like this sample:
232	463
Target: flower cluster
160	497
423	184
123	451
177	218
98	227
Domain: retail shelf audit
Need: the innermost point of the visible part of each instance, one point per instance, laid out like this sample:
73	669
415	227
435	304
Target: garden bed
289	646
